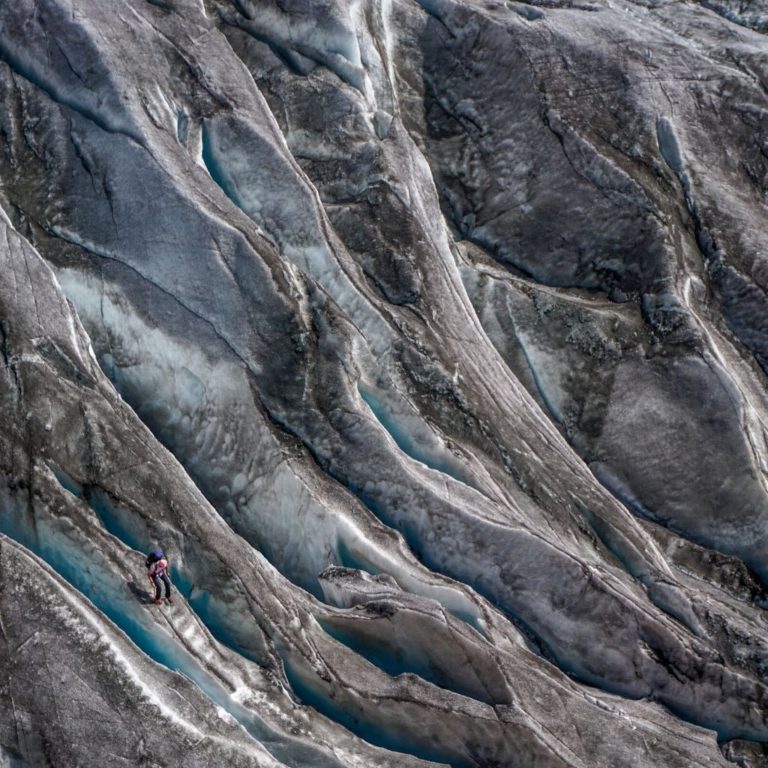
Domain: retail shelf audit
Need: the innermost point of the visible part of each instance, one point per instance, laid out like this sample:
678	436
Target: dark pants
158	586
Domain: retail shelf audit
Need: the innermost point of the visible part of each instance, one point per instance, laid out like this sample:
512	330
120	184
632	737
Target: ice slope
396	323
257	647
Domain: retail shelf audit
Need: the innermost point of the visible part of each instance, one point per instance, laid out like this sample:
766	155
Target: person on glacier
157	571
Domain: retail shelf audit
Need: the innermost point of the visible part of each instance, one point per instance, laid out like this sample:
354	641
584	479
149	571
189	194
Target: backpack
153	557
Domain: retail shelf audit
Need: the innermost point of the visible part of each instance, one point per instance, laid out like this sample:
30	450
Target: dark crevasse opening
215	170
352	559
349	559
534	642
99	503
66	482
60	94
199	600
292	754
540	387
470	619
361	726
394	660
75	568
217	625
386	658
407	442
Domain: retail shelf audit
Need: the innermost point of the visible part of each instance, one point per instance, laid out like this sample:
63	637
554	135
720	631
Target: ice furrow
329	408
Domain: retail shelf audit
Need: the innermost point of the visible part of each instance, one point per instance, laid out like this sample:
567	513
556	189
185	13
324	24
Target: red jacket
159	567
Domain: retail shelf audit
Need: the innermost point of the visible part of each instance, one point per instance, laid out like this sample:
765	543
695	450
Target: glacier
428	339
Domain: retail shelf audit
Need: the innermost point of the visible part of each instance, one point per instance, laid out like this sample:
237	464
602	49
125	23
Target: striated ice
428	339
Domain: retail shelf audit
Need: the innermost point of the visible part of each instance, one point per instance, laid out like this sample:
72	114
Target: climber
157	571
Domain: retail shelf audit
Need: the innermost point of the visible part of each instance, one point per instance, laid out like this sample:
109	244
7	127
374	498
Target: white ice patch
548	372
259	178
329	39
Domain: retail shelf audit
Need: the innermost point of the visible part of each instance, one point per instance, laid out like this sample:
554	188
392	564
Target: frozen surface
428	339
